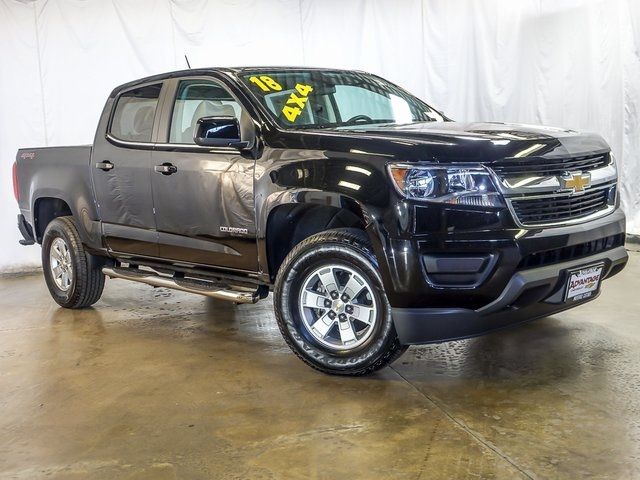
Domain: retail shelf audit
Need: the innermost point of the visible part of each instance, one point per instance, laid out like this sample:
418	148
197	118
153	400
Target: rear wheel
74	277
331	307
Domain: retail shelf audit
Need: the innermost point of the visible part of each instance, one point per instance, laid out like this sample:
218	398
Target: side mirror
218	132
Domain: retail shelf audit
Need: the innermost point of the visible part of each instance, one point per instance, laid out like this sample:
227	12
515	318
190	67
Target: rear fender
80	208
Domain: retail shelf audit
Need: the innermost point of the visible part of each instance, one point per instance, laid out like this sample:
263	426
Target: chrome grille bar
540	166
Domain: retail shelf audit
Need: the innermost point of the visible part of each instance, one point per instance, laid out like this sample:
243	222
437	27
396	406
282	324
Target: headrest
209	108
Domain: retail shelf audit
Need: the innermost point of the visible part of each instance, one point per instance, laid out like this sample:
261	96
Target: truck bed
57	172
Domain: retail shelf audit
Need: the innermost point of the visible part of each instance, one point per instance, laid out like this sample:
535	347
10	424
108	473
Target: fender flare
312	196
88	227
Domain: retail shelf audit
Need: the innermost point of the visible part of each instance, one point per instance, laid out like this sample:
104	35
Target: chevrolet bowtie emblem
575	181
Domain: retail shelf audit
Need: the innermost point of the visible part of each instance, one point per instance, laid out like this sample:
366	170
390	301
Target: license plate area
583	282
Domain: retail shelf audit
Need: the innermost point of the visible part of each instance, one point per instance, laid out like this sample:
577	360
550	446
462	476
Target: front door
203	197
121	173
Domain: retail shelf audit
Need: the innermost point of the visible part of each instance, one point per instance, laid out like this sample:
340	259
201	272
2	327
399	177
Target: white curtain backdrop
572	63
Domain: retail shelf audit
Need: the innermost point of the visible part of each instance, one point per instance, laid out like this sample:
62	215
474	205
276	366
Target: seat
143	124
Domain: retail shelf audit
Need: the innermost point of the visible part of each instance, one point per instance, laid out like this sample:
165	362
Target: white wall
574	63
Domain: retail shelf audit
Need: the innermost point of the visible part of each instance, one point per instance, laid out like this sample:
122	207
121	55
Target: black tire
343	247
87	279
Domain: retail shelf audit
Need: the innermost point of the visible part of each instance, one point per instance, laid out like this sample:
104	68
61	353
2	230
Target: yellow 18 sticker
296	103
265	83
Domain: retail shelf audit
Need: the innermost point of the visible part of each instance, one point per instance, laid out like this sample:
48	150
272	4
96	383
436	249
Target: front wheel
331	307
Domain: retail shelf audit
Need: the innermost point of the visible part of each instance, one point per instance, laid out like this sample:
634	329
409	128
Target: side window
134	114
196	99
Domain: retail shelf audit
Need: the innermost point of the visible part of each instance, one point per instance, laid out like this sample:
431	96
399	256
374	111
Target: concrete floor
159	384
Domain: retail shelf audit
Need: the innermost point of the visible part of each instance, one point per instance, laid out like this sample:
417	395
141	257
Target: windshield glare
320	99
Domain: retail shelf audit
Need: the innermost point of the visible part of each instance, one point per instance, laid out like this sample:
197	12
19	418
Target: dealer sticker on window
294	104
584	283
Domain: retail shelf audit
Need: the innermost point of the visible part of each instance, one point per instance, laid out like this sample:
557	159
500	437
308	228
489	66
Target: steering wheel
359	118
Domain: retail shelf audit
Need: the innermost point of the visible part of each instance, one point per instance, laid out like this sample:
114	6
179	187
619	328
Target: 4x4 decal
295	104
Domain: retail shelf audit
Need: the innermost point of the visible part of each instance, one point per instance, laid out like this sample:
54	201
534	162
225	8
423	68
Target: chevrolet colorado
376	221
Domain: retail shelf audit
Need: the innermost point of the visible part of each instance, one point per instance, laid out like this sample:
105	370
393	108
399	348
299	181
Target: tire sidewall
57	229
287	300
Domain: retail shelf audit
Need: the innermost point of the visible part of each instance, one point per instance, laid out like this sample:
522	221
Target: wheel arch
290	217
48	205
46	209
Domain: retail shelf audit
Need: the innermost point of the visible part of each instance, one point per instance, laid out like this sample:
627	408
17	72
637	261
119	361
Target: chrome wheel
60	264
338	307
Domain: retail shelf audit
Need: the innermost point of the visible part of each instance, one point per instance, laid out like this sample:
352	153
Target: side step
202	287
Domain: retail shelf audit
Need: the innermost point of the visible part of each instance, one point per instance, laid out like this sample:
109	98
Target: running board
189	285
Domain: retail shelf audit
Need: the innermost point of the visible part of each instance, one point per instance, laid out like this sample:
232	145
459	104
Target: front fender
342	181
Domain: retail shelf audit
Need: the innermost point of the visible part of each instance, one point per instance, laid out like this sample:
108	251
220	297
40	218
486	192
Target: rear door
121	172
205	207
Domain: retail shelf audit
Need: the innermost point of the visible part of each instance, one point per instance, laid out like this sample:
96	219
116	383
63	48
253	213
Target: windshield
322	99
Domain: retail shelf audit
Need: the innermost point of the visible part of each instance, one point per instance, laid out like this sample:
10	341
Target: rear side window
134	114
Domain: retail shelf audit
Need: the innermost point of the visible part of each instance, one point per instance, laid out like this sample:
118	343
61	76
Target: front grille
548	209
542	167
557	255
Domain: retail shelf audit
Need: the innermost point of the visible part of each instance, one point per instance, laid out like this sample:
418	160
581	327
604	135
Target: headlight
458	185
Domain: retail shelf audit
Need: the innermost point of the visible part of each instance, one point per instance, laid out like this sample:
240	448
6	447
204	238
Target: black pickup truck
376	221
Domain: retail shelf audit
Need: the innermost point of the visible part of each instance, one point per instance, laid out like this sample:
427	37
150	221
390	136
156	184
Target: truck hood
449	142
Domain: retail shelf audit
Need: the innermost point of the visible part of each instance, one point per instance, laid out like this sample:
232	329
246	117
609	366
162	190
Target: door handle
105	166
166	169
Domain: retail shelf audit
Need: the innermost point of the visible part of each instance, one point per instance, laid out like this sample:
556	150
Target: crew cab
376	221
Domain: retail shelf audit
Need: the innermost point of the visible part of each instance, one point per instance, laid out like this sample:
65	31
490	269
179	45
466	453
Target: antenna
187	60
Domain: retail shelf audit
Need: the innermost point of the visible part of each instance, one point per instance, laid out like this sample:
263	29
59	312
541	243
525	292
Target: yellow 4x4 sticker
295	103
298	102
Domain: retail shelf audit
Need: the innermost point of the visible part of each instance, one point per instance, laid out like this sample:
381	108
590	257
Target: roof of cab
164	76
204	71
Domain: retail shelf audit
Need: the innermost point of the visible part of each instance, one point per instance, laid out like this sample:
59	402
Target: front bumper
530	294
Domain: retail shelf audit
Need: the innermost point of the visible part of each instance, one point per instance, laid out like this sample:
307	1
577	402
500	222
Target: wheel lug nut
334	294
345	297
343	317
327	303
349	309
332	314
